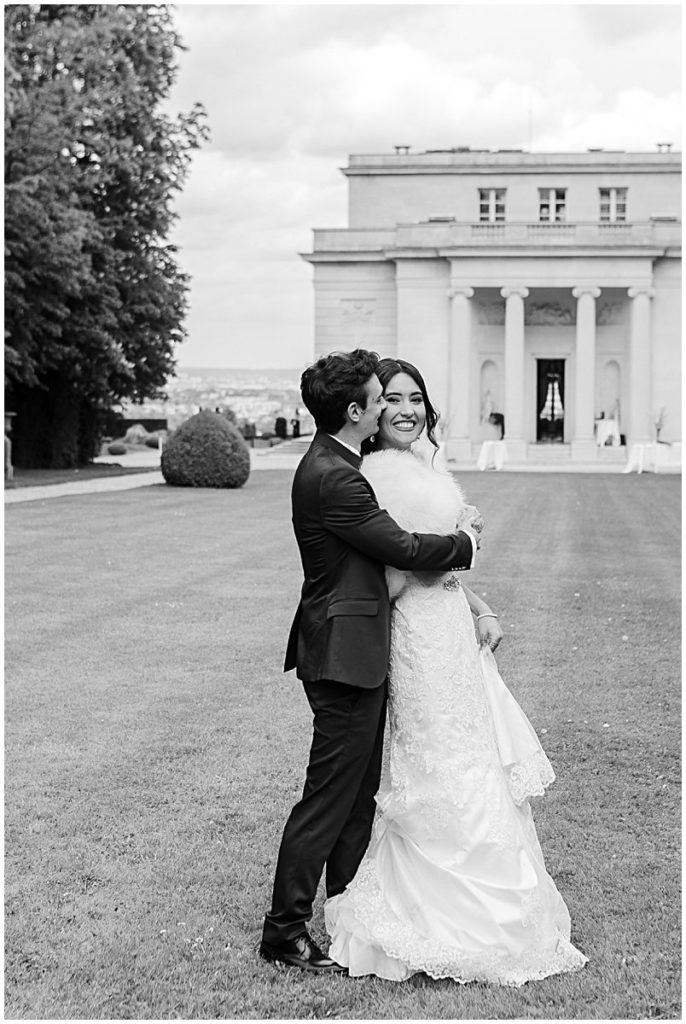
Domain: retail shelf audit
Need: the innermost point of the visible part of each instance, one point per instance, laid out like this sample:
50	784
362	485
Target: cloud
332	80
291	91
621	126
613	22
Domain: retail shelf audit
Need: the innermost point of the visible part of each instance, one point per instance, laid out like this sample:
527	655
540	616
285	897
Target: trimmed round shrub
117	448
152	441
206	451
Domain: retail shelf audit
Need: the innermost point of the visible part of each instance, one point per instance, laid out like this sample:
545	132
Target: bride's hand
471	519
490	633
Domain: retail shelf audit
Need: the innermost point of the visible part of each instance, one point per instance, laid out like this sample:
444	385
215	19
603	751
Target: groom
339	644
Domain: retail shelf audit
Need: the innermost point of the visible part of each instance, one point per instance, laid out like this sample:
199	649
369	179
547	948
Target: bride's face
404	417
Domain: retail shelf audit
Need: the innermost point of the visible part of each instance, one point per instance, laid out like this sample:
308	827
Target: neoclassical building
539	293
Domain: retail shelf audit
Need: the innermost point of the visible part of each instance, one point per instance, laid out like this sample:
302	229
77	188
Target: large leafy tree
94	298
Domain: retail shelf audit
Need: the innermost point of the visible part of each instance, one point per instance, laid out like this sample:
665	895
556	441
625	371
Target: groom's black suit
339	644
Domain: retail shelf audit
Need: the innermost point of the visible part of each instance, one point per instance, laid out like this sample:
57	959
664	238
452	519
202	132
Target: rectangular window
612	205
492	205
551	204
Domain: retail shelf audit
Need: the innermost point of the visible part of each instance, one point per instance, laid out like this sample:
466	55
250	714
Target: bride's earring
372	439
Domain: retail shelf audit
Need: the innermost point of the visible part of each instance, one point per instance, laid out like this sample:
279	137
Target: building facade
539	294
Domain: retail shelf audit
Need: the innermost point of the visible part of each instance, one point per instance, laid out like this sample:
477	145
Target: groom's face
369	416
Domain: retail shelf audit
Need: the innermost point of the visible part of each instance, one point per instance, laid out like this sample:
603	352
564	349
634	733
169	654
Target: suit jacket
341	629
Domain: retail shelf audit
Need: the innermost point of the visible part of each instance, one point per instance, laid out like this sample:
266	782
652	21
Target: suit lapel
327	441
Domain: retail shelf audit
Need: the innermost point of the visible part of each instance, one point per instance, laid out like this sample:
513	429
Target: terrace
439	233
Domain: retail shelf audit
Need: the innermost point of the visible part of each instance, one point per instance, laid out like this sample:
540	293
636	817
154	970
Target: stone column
583	443
459	442
640	428
514	371
423	324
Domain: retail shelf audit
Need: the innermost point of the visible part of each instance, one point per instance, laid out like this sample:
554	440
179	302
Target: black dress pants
331	825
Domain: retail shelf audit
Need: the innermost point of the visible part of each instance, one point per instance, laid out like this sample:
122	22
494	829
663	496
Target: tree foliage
94	298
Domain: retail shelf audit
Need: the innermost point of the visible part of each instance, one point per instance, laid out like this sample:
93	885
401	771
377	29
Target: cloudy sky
291	91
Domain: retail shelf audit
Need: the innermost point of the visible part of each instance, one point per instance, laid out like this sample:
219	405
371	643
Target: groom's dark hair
333	382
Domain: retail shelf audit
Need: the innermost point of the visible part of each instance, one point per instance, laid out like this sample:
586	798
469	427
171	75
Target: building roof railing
659	233
465	161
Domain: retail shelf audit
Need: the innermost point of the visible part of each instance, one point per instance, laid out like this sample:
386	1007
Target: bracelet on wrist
487	615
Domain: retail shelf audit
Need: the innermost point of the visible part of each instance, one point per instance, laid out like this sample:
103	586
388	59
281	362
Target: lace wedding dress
454	882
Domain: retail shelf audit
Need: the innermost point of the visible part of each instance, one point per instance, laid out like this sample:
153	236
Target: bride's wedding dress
454	882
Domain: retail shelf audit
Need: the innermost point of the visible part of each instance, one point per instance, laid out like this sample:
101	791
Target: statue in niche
548	314
490	416
486	406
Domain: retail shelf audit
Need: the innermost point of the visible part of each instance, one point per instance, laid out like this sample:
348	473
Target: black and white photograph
343	457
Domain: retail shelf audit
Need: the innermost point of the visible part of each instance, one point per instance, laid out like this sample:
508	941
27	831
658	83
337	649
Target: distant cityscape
256	396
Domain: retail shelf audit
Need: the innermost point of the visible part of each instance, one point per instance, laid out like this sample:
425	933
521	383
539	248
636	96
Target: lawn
154	747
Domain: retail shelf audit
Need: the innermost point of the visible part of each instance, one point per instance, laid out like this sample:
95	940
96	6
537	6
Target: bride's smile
404	417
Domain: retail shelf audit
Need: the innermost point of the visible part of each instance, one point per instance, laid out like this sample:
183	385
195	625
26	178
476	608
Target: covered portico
597	332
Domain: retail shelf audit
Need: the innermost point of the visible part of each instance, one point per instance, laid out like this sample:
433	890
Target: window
551	204
492	204
612	204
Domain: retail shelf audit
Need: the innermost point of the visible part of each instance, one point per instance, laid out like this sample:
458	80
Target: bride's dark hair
385	371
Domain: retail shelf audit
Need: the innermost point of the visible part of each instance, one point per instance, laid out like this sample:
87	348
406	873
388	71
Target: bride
454	882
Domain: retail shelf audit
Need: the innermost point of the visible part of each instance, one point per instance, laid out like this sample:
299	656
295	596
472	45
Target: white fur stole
419	497
417	490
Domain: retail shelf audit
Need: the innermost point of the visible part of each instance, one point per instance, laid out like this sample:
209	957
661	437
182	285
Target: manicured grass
93	471
154	747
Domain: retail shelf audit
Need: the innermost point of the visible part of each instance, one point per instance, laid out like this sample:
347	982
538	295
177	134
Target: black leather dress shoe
300	952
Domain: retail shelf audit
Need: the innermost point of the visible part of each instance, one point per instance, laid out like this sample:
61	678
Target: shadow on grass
94	471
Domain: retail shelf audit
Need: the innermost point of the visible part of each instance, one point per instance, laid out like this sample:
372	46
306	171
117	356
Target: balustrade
445	232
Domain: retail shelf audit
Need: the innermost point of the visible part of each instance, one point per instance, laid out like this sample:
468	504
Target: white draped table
493	455
643	456
605	429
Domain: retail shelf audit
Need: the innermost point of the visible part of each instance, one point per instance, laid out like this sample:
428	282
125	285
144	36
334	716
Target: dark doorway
550	400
